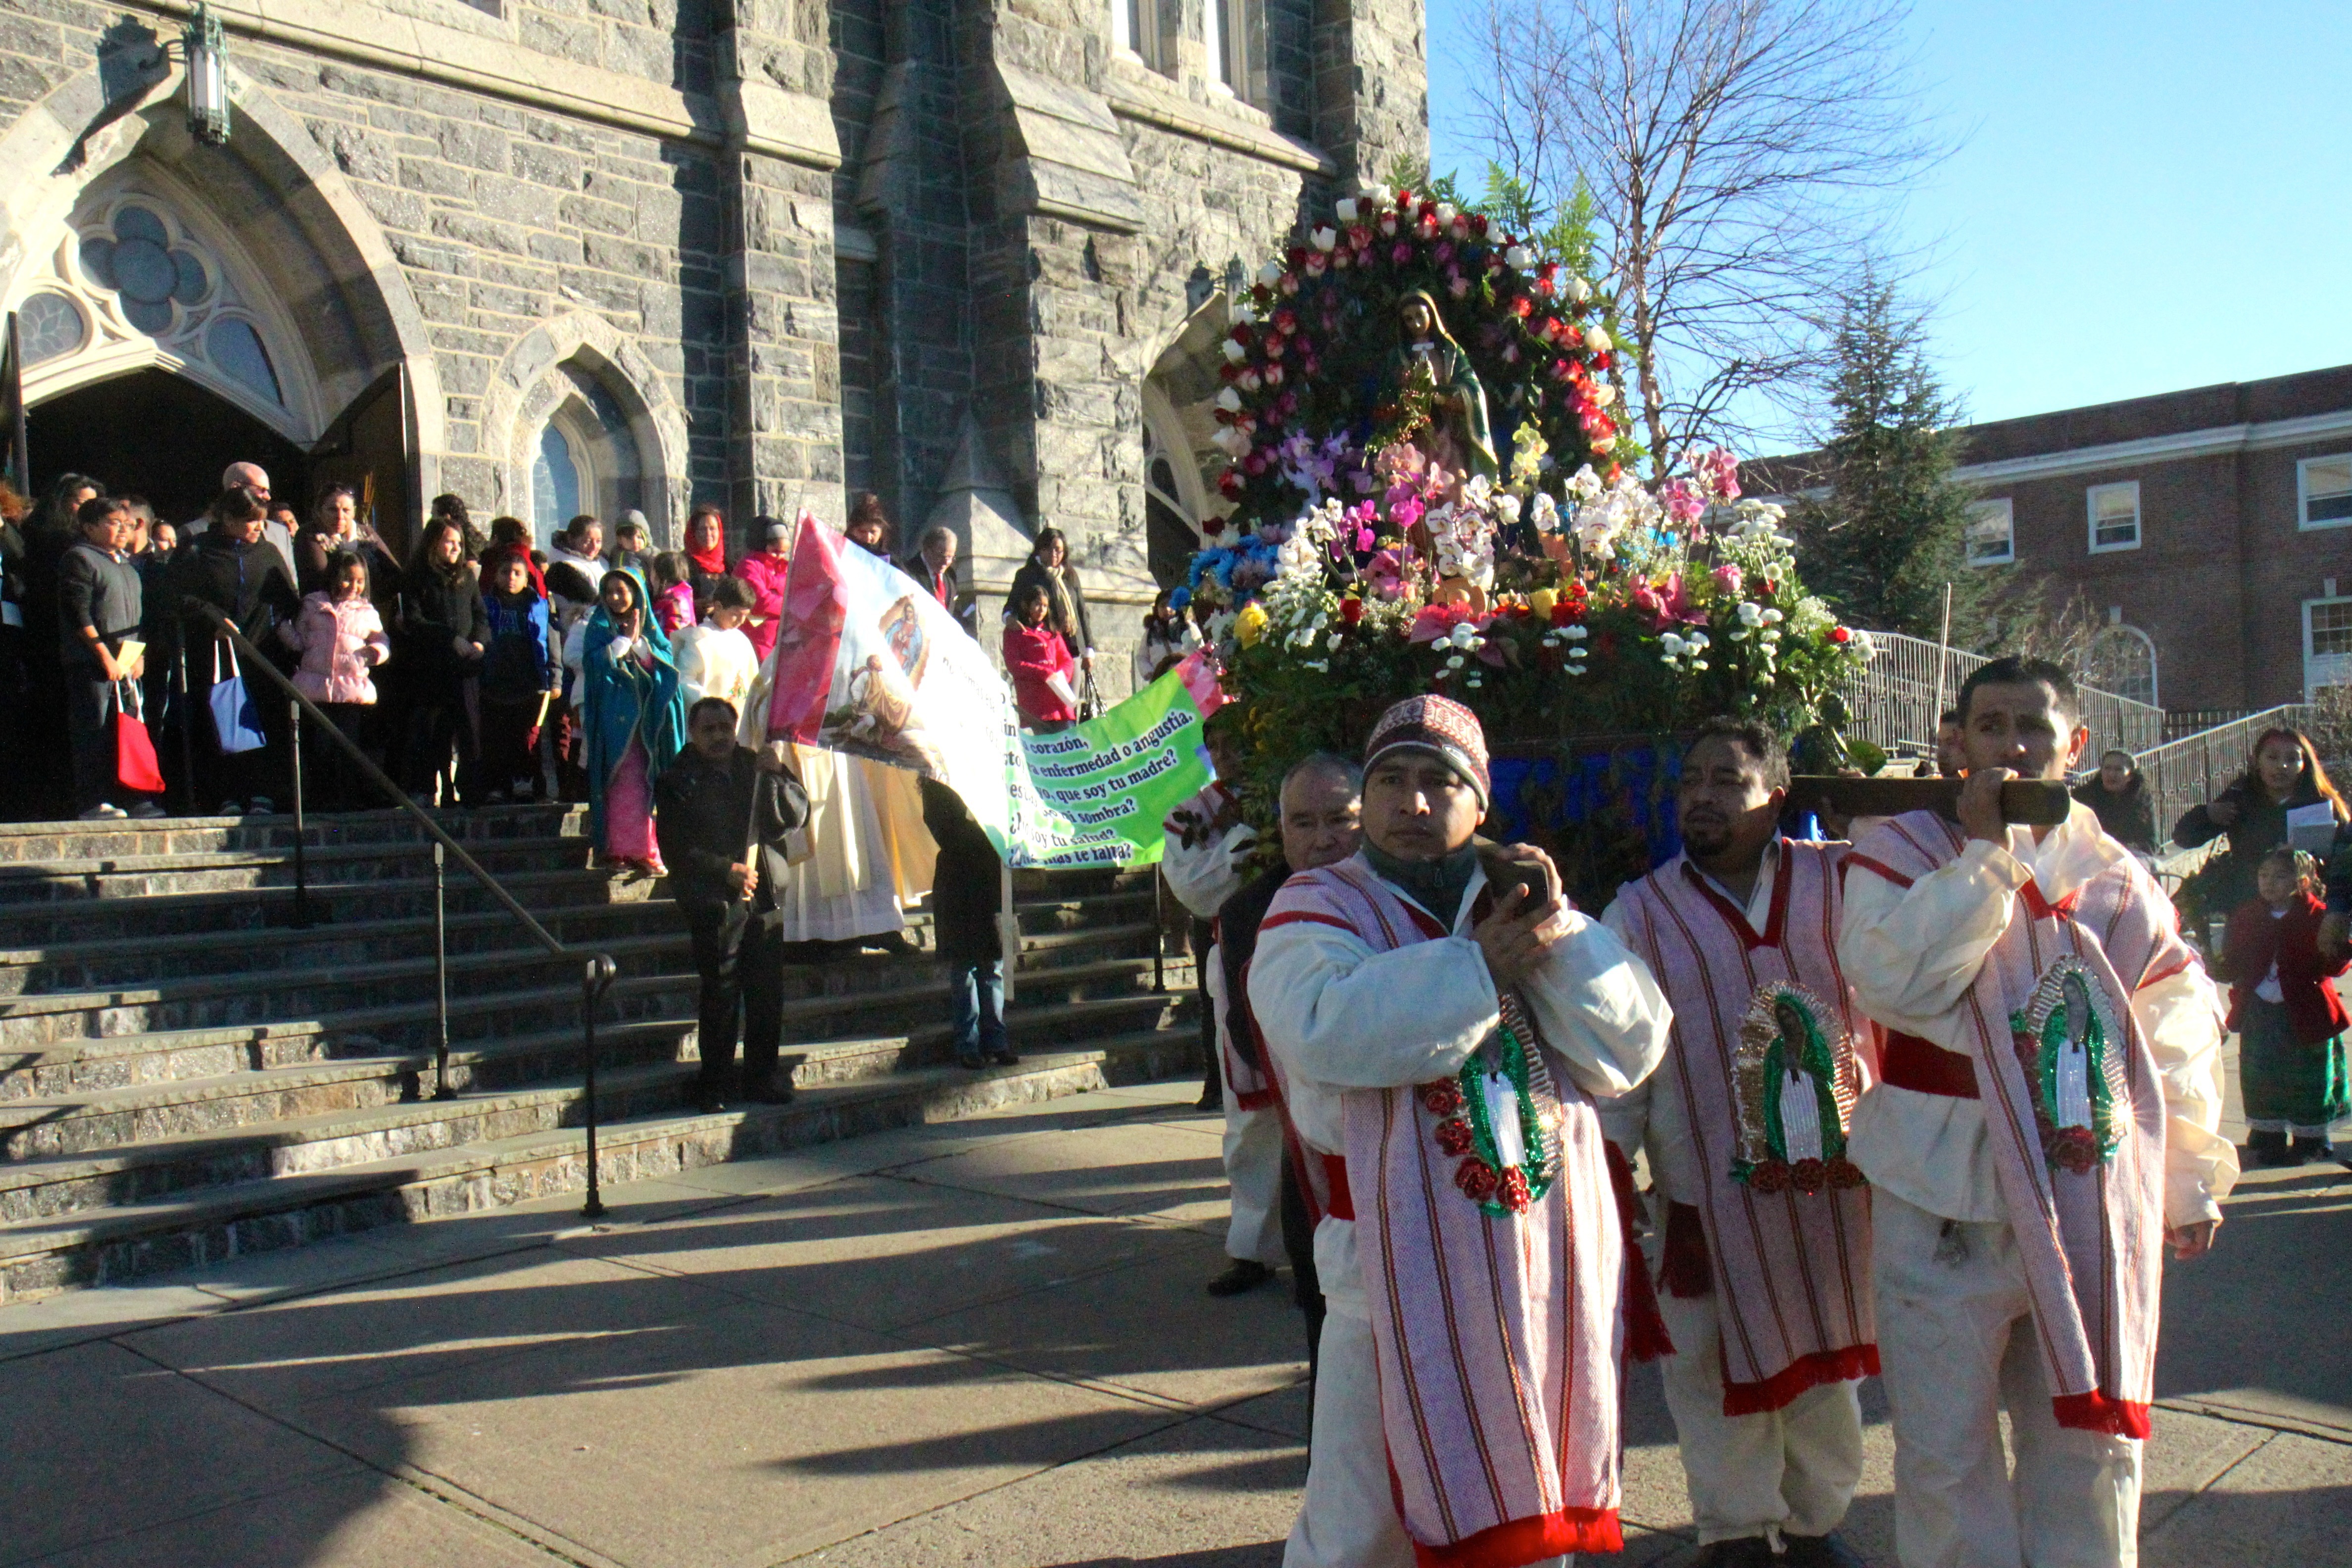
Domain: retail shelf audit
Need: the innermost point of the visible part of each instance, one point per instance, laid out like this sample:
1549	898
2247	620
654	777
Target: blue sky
2150	194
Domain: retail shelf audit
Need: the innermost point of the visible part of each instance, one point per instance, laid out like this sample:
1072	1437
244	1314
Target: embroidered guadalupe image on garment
1501	1115
2066	1039
1794	1086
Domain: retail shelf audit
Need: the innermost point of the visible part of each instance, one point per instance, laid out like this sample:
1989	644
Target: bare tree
1745	159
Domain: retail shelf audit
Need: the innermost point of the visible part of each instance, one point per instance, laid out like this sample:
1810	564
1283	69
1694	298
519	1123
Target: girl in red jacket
2290	1021
1045	676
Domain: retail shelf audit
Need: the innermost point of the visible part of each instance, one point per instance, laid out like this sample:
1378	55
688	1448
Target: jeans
976	992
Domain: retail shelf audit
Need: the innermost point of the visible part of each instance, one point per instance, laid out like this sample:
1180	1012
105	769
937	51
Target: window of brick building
1992	533
1226	25
2327	644
2323	489
1135	29
2115	516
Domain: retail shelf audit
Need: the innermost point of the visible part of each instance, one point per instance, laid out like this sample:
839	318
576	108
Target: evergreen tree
1892	530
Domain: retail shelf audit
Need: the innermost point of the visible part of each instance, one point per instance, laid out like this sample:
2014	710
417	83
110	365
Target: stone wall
668	195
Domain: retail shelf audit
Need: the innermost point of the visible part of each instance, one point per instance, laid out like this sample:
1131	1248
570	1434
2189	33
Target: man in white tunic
2044	1127
1766	1283
1469	1357
1205	858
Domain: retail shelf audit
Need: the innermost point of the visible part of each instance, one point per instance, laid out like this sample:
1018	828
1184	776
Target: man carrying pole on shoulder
1440	1049
1767	1269
2043	1128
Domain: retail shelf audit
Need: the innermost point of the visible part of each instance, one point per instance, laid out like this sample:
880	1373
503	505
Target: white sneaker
102	812
260	805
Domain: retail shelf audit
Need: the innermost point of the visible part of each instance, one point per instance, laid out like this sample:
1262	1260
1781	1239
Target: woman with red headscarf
705	553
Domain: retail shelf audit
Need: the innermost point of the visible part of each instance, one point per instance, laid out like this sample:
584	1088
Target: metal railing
2194	769
1905	687
597	969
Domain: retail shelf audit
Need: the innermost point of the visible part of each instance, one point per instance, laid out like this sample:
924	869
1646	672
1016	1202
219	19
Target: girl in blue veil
635	716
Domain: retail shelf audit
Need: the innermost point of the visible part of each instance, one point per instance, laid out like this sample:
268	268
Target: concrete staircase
185	1076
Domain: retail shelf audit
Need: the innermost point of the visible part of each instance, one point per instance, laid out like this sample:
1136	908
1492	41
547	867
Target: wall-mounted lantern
207	63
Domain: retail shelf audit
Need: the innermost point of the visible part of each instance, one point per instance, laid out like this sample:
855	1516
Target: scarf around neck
1436	886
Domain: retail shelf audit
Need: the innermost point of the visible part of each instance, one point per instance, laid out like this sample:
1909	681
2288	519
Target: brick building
2211	528
578	255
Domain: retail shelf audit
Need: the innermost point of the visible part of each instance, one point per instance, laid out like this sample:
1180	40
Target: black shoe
893	941
1004	1055
2267	1150
1209	1102
709	1102
973	1062
775	1091
1748	1551
1829	1551
2311	1152
1239	1275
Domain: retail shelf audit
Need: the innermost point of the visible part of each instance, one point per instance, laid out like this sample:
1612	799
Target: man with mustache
1440	1048
1767	1275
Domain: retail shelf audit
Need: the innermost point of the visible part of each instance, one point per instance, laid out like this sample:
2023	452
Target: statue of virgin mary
1458	437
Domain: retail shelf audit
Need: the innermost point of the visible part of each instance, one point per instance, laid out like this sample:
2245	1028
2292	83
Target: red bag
135	749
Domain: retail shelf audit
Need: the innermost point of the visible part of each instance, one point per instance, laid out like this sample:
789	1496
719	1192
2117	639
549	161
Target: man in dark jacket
100	600
966	893
704	817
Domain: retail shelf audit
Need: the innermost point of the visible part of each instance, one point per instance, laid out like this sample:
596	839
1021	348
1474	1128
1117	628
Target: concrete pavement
982	1342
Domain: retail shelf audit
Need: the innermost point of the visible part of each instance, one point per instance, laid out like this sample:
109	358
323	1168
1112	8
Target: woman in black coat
2283	774
231	569
1049	567
2119	794
437	642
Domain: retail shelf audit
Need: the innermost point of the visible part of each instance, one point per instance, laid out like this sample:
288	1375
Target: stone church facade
588	254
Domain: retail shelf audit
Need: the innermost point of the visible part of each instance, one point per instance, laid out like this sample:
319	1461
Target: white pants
1955	1342
1787	1471
1348	1517
1254	1169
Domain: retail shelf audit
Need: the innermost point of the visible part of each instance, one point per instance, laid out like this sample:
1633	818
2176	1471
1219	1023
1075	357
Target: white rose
1269	274
1373	196
1345	208
1445	212
1604	395
1234	351
1597	340
1325	238
1229	400
1520	258
1244	312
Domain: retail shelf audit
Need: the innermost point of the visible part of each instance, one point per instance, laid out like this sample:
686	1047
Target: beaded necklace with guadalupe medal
1501	1115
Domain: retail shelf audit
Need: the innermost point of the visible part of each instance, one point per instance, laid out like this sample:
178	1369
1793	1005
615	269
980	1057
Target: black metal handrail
597	969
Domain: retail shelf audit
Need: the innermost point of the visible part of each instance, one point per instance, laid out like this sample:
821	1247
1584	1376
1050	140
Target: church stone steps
130	1240
259	912
184	1073
909	1004
299	1122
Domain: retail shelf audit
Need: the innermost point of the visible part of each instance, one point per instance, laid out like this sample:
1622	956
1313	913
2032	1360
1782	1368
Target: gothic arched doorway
160	436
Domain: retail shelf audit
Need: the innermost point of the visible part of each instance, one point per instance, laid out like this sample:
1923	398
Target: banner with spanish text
870	662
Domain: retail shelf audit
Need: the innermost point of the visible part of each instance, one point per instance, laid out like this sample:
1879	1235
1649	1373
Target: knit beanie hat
1438	725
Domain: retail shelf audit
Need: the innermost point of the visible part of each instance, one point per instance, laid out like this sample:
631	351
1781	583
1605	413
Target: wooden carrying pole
2031	803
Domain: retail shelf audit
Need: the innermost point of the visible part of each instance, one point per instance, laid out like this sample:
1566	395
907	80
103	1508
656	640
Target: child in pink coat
340	638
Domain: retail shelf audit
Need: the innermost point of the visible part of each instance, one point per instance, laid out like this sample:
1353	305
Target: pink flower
1718	472
1406	511
1667	606
1727	579
1400	253
1683	501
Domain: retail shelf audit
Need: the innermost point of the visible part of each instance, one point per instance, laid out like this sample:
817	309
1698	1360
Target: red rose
1520	306
1515	1194
1767	1176
1476	1179
1808	1176
1844	1173
1454	1136
1351	611
1839	635
1213	526
1296	255
2074	1149
1229	485
1442	1098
